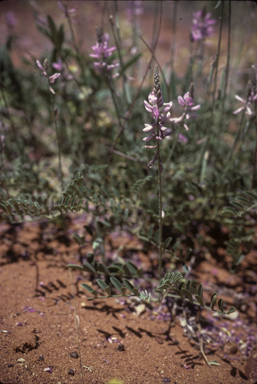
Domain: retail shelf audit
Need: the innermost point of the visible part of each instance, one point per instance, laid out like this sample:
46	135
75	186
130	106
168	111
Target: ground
41	300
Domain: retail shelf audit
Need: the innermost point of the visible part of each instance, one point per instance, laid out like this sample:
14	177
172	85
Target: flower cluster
160	113
202	25
102	52
51	79
187	102
251	95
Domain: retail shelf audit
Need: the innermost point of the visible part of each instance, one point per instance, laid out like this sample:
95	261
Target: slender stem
255	151
1	181
163	75
218	54
172	148
228	54
160	205
117	40
173	46
230	156
54	112
75	45
14	130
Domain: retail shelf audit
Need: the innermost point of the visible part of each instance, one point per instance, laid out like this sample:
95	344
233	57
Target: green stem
230	156
172	148
117	40
58	138
218	55
160	205
255	151
228	54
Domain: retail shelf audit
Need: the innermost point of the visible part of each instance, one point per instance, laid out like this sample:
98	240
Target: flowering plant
160	113
187	102
202	25
102	52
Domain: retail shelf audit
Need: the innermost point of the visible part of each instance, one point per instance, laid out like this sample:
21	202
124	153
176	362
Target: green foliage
206	182
121	269
172	282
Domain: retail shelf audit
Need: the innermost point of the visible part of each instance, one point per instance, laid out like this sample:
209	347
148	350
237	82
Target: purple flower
53	77
160	113
187	102
102	52
202	25
58	66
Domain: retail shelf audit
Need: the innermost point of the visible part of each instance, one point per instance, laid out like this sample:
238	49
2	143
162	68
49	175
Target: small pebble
21	360
10	365
71	372
74	355
41	357
166	380
159	340
121	347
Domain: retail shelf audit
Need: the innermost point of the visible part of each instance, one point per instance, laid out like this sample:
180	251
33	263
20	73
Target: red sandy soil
33	276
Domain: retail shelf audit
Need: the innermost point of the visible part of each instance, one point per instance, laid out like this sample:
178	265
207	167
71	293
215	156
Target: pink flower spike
40	66
186	127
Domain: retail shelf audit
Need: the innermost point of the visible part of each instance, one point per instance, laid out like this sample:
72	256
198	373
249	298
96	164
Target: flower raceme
160	113
102	52
51	79
202	25
187	102
251	95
